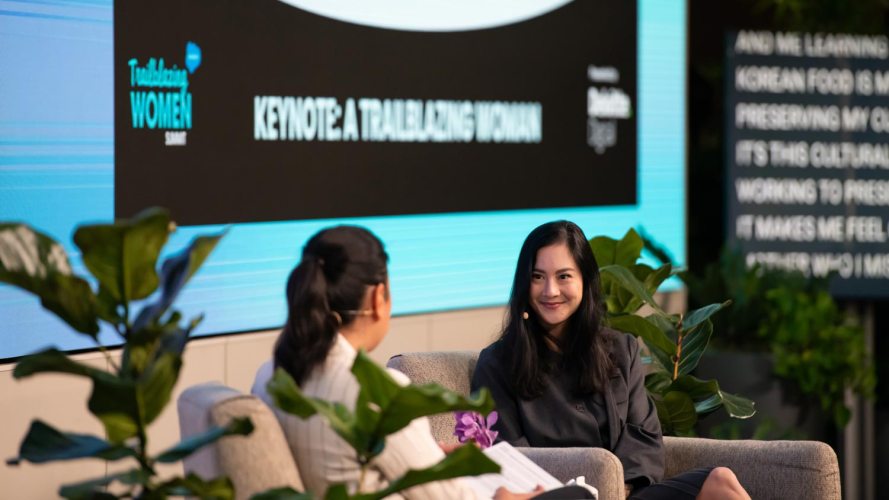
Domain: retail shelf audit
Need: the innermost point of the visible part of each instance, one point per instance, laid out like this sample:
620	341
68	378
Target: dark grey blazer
623	419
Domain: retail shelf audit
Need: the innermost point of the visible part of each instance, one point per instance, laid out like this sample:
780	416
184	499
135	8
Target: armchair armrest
767	469
600	467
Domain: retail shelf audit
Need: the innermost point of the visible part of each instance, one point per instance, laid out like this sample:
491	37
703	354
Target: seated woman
338	299
561	379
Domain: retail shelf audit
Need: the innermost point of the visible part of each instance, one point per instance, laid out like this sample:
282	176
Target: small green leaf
123	256
629	282
628	249
653	281
698	316
43	443
738	406
241	426
604	249
155	387
694	343
175	273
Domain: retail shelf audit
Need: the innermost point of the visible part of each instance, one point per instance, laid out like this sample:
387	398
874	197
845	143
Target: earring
525	315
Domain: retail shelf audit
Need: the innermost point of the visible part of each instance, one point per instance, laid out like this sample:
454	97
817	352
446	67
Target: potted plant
675	342
122	258
787	339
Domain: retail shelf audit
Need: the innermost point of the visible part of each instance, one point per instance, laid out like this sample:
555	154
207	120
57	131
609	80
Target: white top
324	458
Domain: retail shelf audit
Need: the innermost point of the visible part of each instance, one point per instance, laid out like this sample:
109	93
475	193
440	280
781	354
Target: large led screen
453	200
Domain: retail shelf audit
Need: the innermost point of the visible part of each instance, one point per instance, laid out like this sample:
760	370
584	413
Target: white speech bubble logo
430	15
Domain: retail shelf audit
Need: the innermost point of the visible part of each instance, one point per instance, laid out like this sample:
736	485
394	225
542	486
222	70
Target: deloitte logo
159	96
606	103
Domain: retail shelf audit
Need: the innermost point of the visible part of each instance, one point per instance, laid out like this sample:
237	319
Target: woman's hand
448	448
504	494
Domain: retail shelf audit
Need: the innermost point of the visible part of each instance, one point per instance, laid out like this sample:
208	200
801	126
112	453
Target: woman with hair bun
561	378
339	302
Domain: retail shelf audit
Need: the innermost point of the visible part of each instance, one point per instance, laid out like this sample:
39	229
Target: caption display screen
808	155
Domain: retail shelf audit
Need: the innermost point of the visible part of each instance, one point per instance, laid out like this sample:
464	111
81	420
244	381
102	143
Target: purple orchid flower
472	426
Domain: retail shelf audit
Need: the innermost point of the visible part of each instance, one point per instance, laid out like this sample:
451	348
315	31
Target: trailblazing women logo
159	96
606	103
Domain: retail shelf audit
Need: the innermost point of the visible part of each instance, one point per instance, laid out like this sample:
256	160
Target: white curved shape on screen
429	15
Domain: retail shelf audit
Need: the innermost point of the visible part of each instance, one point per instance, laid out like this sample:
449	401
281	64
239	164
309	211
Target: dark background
708	24
269	48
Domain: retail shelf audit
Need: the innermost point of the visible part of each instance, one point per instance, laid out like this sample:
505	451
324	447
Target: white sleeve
414	448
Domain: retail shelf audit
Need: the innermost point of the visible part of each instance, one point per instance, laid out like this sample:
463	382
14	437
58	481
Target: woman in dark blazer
561	379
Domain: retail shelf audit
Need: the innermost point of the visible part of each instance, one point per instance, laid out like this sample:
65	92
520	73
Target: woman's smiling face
556	287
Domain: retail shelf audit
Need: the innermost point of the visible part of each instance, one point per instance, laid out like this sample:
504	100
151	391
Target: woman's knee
723	478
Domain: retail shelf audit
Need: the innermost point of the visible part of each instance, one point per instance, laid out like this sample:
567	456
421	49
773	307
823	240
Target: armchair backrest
254	463
452	370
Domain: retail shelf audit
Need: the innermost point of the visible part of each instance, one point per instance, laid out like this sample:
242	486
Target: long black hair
325	292
585	350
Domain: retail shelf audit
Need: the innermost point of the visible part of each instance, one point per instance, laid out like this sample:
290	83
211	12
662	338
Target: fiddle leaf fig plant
122	258
675	342
383	407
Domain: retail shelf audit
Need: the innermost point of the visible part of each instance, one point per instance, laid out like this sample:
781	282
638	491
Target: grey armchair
767	469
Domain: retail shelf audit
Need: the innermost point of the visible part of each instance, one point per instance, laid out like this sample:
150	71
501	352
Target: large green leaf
694	343
156	385
696	388
287	396
36	263
241	426
658	382
640	327
698	316
175	273
123	256
378	389
43	443
625	279
398	406
604	249
708	397
113	399
628	249
658	276
466	460
676	412
429	399
667	326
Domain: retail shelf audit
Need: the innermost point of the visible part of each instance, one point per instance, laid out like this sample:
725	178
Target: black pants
685	486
